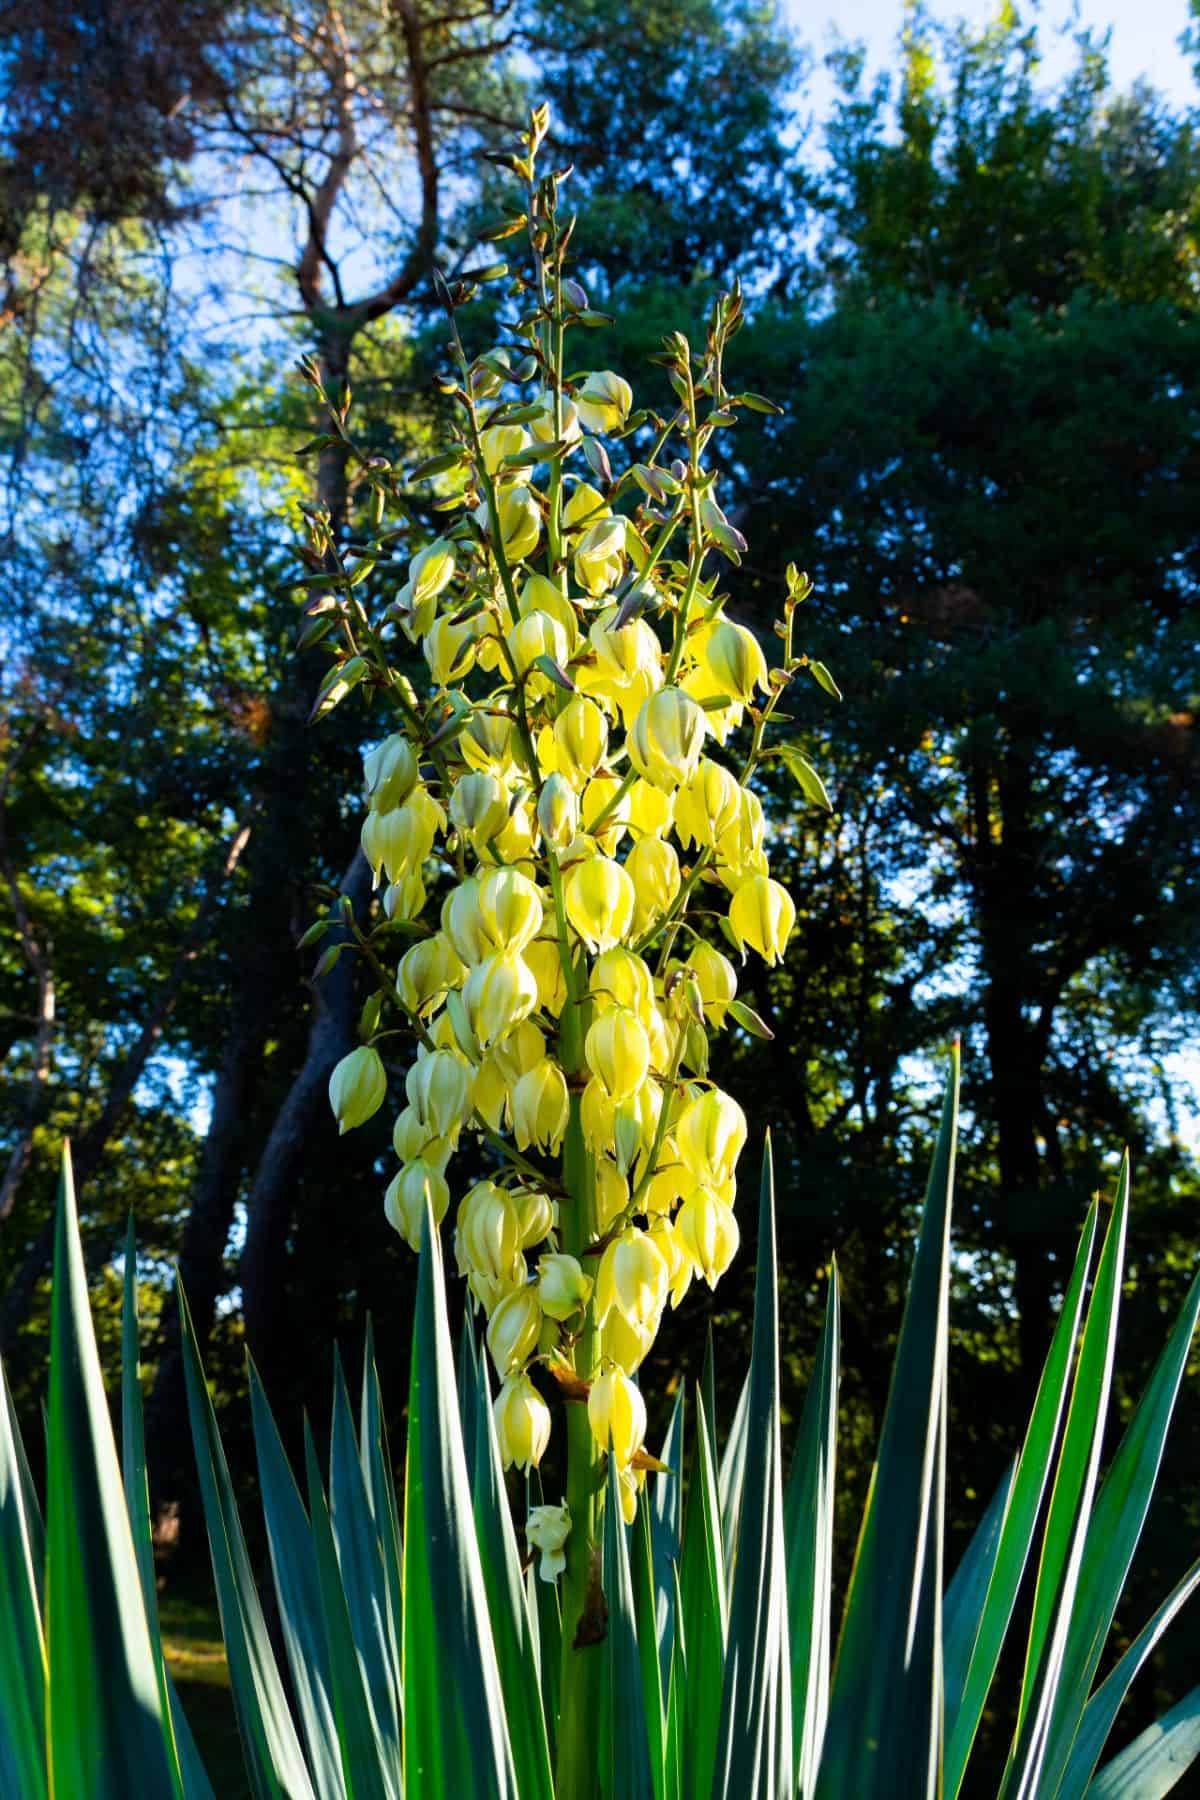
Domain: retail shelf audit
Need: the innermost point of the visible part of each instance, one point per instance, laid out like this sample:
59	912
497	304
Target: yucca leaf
731	1476
1116	1526
883	1736
754	1742
364	1579
105	1725
274	1761
370	1759
182	1752
1067	1519
808	1534
22	1651
380	1486
675	1762
501	1563
1101	1709
702	1614
35	1526
666	1535
1152	1765
625	1747
455	1735
642	1570
468	1390
298	1590
971	1652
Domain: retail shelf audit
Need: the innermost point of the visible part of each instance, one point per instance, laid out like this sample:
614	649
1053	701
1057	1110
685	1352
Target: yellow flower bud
667	738
545	960
599	902
499	441
540	595
412	1140
621	978
563	1288
580	739
450	649
536	1216
510	909
390	771
401	839
522	1423
520	522
427	970
488	1236
558	811
617	1052
498	994
708	1231
405	899
600	555
715	977
408	1192
612	1193
708	806
634	1277
653	867
487	742
431	570
710	1134
541	1107
617	1416
624	1342
603	401
537	634
437	1086
762	914
735	661
357	1087
479	807
513	1329
547	1529
651	809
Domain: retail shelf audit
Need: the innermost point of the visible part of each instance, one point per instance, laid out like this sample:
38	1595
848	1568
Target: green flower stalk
544	825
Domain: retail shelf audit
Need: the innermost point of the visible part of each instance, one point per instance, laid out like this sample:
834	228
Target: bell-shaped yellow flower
519	1051
390	771
450	649
537	634
612	1193
667	738
401	839
499	441
463	924
405	899
357	1087
617	1052
520	522
680	1269
497	994
708	1231
487	742
545	963
437	1086
580	739
547	1529
558	810
735	661
708	806
426	971
479	807
599	901
603	401
510	909
513	1330
619	977
415	1185
536	1215
542	595
488	1236
430	570
597	1117
605	810
624	1342
563	1288
632	1277
541	1107
710	1134
651	809
761	914
413	1140
522	1423
653	867
617	1416
716	978
600	553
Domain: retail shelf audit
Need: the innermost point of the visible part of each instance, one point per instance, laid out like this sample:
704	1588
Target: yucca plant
424	1651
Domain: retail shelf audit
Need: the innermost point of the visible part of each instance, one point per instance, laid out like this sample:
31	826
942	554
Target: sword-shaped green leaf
1152	1765
626	1764
883	1736
808	1510
22	1651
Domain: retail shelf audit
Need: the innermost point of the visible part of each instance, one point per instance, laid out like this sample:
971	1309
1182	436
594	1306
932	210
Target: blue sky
1143	43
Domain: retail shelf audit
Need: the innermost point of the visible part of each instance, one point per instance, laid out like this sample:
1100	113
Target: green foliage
463	1668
